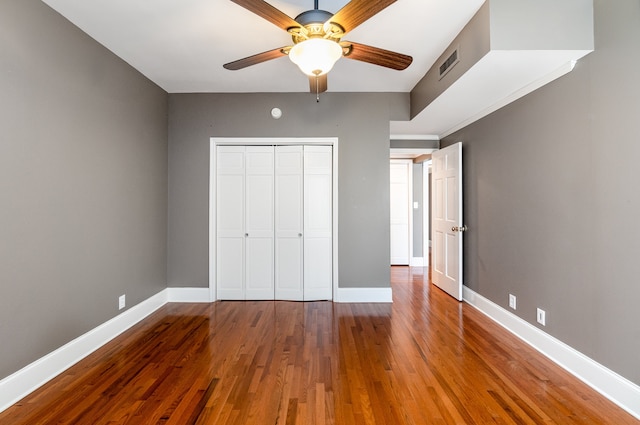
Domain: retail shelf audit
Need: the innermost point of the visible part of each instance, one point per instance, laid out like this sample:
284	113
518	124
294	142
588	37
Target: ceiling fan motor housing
315	23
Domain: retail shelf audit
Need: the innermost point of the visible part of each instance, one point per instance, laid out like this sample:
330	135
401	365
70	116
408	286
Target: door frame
411	154
268	141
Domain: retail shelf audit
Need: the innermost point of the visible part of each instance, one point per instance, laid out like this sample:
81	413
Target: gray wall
360	121
551	198
83	178
541	24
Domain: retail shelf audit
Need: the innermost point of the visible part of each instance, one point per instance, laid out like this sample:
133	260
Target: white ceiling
181	45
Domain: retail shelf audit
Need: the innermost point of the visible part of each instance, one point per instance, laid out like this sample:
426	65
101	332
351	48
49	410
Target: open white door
447	227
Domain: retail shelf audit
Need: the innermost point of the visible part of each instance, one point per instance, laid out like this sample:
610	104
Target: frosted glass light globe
315	56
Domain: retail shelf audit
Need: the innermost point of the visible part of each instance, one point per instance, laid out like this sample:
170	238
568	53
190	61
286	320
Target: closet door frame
243	141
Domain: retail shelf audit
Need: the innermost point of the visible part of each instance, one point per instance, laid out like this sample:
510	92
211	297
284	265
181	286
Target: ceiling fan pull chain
317	89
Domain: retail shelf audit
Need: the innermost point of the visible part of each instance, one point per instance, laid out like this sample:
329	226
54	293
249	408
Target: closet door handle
299	235
246	235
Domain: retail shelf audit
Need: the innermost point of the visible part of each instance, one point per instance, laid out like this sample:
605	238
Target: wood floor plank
425	359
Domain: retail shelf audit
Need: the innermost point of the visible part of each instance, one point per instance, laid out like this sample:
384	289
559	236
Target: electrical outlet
512	301
541	317
121	302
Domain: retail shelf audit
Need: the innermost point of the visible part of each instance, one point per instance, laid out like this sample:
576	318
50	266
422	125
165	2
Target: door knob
459	229
300	235
246	235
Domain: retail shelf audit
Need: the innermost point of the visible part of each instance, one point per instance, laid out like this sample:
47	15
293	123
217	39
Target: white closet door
318	222
288	223
230	163
399	173
259	223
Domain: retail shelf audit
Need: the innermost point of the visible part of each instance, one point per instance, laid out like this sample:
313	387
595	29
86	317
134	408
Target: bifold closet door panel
230	163
259	223
289	223
318	223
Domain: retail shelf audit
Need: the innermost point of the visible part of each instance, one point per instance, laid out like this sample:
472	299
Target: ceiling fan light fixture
315	56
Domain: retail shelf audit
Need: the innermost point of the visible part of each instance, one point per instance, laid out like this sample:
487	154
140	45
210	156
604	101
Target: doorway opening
410	206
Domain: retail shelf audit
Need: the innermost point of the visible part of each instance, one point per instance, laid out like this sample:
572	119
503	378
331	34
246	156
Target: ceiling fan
317	43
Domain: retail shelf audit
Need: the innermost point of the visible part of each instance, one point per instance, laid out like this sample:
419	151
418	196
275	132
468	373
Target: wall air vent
449	63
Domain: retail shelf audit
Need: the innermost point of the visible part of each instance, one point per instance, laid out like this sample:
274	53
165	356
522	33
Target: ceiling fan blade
357	11
255	59
318	84
377	56
268	12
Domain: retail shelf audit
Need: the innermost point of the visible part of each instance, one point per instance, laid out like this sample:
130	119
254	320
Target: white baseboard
188	295
416	262
364	295
616	388
17	385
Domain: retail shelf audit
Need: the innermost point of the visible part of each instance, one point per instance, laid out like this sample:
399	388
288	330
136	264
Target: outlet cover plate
121	302
512	301
541	317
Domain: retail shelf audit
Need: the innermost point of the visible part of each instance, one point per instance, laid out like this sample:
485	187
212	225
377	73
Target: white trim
213	246
334	237
415	152
616	388
16	386
267	141
414	137
564	69
188	295
416	262
273	141
364	295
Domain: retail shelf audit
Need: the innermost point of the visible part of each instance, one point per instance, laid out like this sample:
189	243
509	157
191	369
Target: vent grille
449	63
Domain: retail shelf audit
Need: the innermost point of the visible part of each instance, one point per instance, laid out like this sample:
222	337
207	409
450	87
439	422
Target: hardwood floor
425	359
